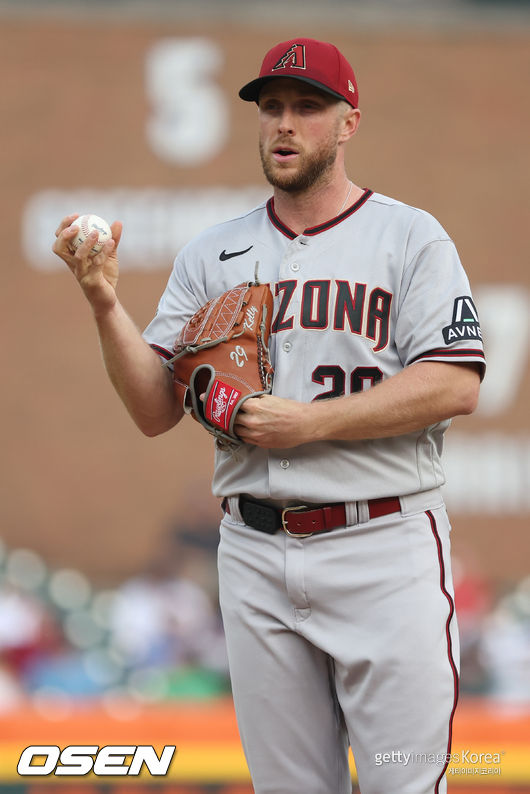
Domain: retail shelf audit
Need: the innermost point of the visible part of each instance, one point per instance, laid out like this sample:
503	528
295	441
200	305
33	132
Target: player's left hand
273	422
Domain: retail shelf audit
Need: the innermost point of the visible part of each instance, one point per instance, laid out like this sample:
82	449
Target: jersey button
295	267
287	346
285	463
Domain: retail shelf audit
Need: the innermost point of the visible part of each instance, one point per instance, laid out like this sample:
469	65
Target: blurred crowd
158	636
494	627
155	637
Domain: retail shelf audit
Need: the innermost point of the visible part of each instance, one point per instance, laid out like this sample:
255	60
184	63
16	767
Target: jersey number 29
361	378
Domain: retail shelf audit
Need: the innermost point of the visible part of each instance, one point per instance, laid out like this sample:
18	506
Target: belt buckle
284	523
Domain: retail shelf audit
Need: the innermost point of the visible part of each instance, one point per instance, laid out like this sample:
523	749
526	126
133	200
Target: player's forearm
136	373
421	395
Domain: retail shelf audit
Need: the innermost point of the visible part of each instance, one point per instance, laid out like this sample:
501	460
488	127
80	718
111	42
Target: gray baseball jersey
357	299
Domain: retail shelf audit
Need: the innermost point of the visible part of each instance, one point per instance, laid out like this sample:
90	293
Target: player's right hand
97	274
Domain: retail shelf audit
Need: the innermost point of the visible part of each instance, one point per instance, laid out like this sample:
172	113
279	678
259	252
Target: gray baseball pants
346	638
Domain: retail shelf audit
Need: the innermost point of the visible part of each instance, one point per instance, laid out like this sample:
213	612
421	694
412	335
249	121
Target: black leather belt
305	520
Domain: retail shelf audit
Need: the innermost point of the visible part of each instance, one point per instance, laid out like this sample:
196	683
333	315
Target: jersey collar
321	227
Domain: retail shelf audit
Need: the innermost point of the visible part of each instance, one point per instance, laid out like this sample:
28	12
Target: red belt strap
383	507
309	520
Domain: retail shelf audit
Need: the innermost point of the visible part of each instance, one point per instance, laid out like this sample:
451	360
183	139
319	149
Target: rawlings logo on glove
223	353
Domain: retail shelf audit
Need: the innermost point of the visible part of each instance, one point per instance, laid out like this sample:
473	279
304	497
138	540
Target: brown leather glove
223	353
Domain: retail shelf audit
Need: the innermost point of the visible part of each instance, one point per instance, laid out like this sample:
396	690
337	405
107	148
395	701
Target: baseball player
334	564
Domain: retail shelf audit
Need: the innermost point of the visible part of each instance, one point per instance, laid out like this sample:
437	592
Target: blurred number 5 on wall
189	115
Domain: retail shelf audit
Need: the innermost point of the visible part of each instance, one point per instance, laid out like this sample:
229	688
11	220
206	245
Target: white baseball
88	224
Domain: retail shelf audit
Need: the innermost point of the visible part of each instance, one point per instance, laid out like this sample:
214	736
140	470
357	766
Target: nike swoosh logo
223	256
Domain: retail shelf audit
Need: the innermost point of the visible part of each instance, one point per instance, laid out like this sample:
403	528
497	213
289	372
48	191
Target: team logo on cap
351	87
294	57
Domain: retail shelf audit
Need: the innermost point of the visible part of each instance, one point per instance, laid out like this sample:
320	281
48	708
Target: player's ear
350	119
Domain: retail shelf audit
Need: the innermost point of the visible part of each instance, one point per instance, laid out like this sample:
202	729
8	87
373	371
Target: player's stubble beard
314	168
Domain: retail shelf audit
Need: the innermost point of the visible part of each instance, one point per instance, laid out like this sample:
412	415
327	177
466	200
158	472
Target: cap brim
251	91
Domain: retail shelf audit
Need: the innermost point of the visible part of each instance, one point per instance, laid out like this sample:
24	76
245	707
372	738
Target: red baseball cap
315	62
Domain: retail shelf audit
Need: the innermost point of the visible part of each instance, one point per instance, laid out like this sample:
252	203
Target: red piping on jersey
312	230
452	664
162	351
455	354
443	352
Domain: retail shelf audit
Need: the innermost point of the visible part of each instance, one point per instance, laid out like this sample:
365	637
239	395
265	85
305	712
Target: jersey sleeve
437	318
177	304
